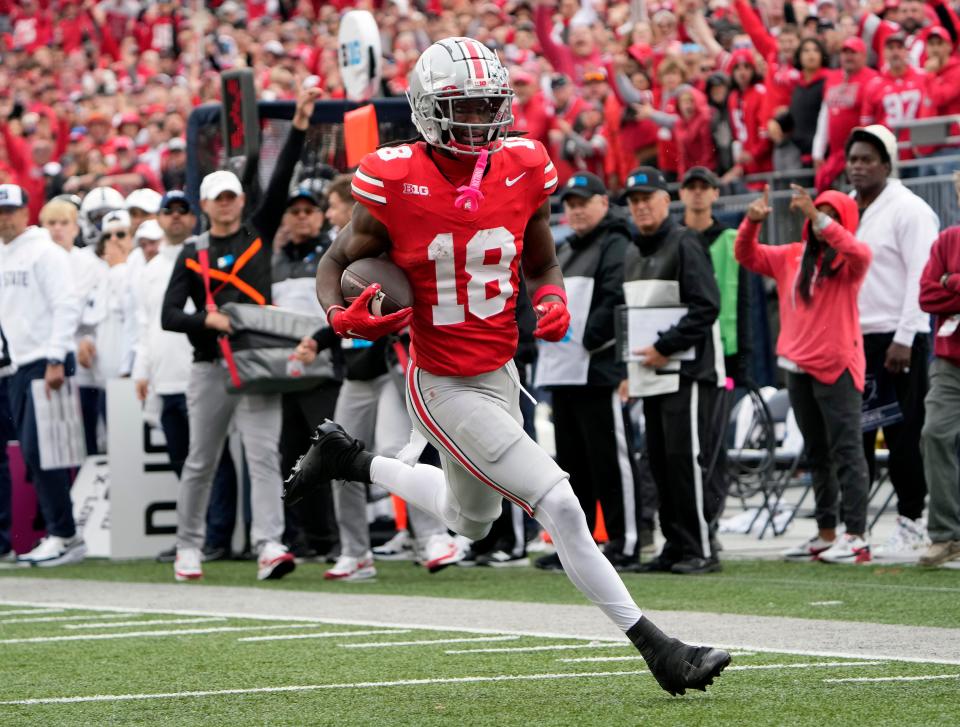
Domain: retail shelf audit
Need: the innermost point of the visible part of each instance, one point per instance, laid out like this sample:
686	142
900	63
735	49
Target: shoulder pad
527	153
389	162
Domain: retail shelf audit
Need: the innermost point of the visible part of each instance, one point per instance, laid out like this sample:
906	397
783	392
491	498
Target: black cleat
334	455
675	665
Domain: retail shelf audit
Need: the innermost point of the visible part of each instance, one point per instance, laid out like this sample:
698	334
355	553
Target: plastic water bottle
295	368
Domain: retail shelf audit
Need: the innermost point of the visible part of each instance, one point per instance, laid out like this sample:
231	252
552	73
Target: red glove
358	322
553	320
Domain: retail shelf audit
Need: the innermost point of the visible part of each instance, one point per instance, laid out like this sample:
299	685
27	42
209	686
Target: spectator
583	373
567	106
900	228
843	99
792	132
940	296
530	111
667	267
147	239
691	129
818	280
752	151
898	95
142	205
40	309
718	89
211	409
574	58
943	90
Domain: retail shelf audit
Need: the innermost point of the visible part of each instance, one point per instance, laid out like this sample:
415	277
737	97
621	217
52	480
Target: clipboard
638	327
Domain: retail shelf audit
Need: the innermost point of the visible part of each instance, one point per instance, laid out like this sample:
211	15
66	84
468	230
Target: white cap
216	183
144	199
149	230
115	220
12	195
880	133
275	47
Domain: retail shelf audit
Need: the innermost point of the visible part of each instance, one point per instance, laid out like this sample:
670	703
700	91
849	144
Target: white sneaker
348	568
186	566
54	550
847	549
809	550
399	547
275	562
908	536
441	551
503	559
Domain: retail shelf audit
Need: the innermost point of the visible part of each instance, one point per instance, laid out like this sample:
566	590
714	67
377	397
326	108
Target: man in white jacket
41	308
900	229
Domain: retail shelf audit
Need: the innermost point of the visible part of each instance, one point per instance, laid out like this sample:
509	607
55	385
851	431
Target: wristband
544	290
945	280
330	312
822	222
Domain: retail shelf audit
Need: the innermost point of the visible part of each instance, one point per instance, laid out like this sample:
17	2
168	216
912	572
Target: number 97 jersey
463	265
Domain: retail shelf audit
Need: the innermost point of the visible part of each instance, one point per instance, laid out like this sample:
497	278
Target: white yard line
826	603
552	647
893	679
316	687
637	657
382	644
31	611
47	619
154	622
151	634
325	635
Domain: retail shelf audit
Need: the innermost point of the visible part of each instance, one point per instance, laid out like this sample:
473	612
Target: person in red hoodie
753	151
940	296
820	344
691	129
943	90
778	53
843	97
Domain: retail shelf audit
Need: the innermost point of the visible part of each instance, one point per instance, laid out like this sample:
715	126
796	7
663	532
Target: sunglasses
175	211
594	77
120	235
301	211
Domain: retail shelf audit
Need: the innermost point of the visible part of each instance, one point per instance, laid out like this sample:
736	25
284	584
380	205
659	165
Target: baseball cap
12	195
700	174
123	143
855	44
559	81
216	183
115	220
645	179
521	76
940	32
143	199
175	196
149	230
878	136
274	47
584	185
177	143
303	193
898	37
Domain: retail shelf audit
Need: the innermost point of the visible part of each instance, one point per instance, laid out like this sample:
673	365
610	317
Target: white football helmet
95	204
460	96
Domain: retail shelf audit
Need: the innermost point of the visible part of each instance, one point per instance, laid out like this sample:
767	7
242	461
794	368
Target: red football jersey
891	101
463	267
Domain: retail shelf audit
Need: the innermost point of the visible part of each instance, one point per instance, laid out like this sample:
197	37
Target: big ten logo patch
416	189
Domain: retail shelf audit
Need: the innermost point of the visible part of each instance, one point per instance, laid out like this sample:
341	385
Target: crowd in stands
95	96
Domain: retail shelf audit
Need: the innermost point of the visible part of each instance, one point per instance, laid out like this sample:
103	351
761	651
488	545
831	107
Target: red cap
742	55
891	4
940	32
123	142
521	76
129	117
855	44
640	52
97	118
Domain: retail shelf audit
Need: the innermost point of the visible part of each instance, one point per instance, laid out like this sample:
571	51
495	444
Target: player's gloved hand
553	320
357	321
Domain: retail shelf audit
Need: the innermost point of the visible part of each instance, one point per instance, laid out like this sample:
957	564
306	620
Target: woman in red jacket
820	345
753	152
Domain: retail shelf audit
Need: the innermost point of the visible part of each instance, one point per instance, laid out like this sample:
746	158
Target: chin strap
470	195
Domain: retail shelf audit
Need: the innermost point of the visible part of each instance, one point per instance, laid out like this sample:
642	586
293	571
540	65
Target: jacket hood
32	234
845	206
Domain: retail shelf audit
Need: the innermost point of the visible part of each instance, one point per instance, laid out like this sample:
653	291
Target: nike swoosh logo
511	182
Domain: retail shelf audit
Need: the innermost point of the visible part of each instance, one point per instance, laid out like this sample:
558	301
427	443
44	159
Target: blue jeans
7	432
222	510
52	486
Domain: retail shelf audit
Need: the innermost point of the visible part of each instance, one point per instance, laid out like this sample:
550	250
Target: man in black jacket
677	373
583	372
239	267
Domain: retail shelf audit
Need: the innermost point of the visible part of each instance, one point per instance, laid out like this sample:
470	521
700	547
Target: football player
458	212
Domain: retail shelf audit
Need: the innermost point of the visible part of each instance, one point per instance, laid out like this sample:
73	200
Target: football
395	291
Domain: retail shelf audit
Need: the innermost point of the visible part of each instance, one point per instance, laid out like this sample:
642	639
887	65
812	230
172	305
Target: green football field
106	664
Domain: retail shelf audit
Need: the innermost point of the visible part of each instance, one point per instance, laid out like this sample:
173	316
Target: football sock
560	513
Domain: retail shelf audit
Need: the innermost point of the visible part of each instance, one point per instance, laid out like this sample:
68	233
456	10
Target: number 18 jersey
463	265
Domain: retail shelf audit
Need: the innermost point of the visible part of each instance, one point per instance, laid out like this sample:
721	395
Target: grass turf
879	594
218	661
